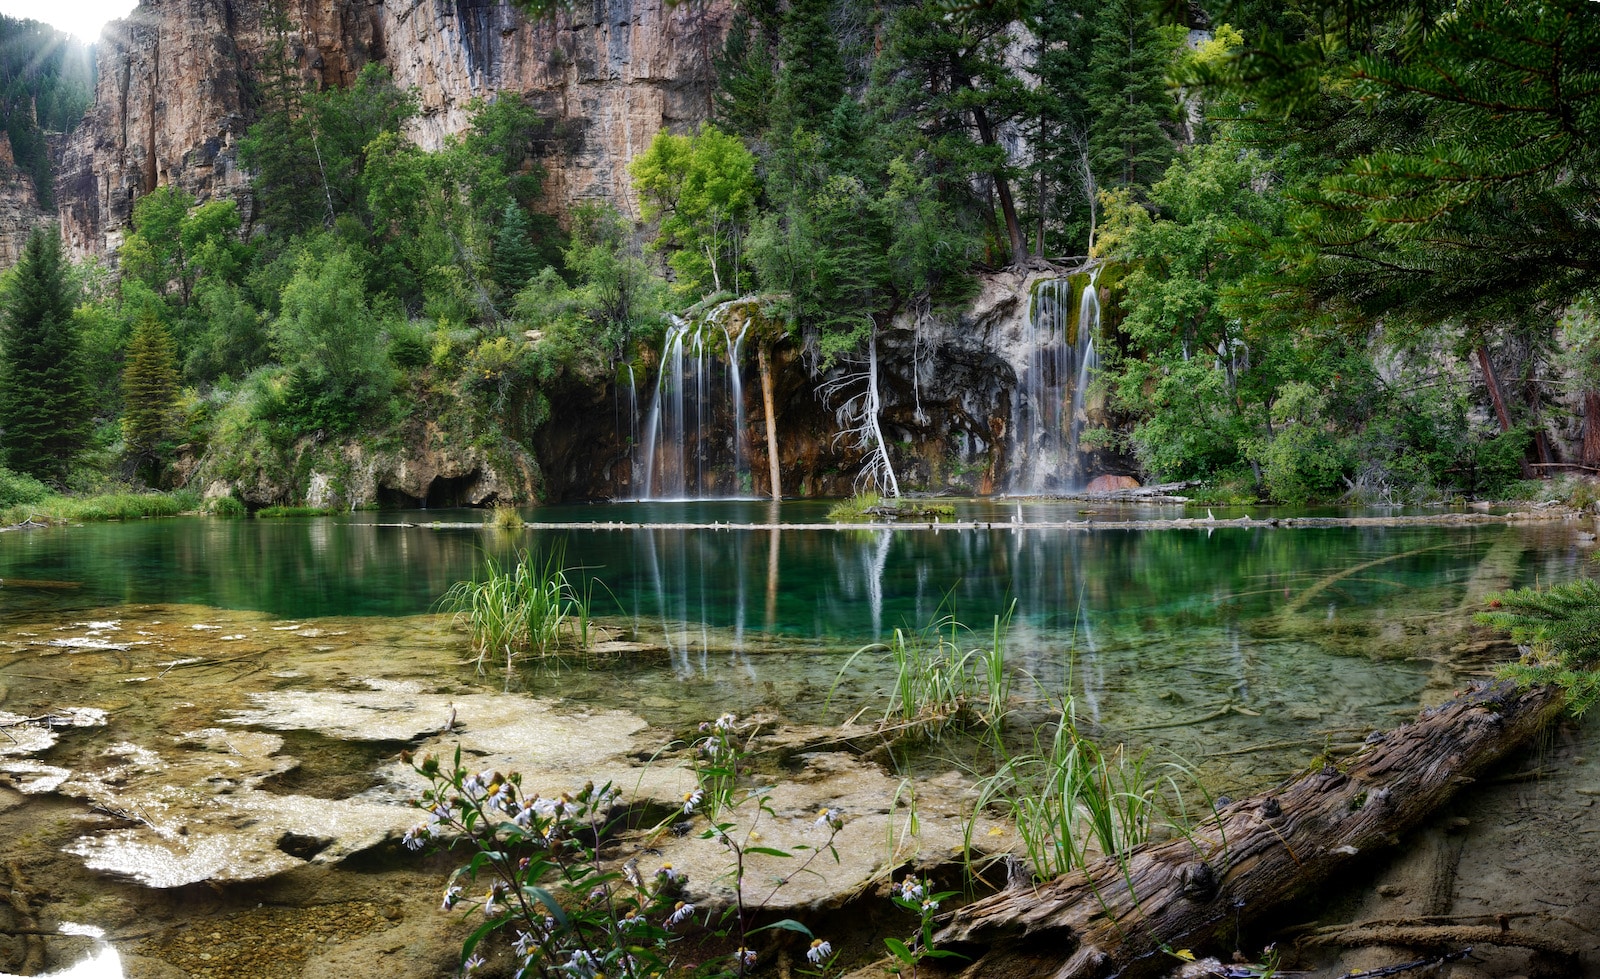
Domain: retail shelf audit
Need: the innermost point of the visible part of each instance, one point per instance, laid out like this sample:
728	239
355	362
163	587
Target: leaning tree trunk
1121	916
764	365
1497	397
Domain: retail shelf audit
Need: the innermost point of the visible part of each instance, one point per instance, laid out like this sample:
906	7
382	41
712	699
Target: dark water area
850	585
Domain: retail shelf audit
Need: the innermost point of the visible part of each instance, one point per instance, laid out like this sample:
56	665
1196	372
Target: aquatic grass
854	509
939	682
528	608
282	512
56	508
1071	799
506	518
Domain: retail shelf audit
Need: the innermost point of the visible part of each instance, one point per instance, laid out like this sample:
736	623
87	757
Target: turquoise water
848	585
1197	640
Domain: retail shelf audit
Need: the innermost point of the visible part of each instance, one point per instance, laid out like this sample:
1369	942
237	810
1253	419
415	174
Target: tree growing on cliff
702	189
44	397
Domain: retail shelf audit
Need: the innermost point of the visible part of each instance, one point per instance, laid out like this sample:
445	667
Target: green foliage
701	189
20	488
44	395
615	298
309	153
330	338
150	389
227	506
1559	628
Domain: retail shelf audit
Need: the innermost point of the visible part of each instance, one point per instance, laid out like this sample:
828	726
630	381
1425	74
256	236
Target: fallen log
1125	916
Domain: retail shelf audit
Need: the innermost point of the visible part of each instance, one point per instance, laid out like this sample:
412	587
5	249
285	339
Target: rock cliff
177	81
19	206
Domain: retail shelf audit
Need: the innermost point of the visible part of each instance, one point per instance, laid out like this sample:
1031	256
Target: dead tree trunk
764	364
1591	428
1121	916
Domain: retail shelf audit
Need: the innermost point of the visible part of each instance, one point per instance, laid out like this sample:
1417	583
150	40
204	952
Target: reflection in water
1130	623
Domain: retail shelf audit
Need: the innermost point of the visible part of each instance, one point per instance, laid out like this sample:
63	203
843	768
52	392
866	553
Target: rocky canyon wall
19	206
177	87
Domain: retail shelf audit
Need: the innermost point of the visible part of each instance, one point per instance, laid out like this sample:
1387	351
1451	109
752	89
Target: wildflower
491	902
930	905
667	875
681	912
725	723
692	800
911	889
582	964
819	951
745	957
831	818
451	896
524	944
415	837
472	964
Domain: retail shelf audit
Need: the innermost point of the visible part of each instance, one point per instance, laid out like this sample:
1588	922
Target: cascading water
693	439
1049	410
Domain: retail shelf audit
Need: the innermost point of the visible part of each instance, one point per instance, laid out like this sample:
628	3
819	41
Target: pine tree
44	398
149	388
515	257
746	82
812	80
1127	97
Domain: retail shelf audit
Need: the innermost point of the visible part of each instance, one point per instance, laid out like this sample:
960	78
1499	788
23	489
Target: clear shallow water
1144	628
1242	652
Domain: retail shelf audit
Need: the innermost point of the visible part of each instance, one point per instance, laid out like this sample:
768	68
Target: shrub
20	488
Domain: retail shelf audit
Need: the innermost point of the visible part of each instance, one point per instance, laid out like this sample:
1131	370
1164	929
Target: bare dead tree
857	415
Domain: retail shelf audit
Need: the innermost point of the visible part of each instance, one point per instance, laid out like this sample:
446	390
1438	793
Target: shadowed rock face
178	81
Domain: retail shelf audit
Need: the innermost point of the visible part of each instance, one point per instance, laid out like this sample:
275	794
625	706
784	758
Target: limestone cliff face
177	84
19	206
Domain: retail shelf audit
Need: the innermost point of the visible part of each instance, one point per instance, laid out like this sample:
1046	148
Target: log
1123	916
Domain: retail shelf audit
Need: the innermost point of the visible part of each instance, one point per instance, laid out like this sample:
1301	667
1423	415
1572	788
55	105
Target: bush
1303	463
227	506
20	488
409	348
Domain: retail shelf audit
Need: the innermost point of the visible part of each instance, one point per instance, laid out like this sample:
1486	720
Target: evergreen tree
149	390
746	83
942	82
44	397
515	257
812	80
1127	98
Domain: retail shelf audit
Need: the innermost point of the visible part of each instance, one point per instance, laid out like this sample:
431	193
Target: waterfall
686	452
1048	411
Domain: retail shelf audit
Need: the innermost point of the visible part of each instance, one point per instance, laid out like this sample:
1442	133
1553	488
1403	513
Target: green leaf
900	951
786	924
769	851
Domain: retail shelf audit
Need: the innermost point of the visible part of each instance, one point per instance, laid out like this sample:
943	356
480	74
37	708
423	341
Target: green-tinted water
226	658
1145	628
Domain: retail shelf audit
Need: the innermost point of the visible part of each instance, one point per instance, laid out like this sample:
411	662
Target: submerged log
1124	916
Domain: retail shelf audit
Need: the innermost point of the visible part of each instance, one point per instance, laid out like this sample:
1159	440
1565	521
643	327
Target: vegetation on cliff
1336	244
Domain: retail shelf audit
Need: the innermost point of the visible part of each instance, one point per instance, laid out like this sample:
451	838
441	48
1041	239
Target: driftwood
1123	917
